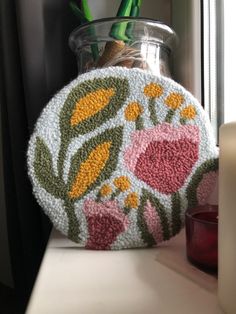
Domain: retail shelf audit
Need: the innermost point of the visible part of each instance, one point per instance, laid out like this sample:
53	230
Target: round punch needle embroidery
118	155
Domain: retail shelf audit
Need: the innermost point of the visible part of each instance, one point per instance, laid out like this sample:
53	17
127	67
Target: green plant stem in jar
147	44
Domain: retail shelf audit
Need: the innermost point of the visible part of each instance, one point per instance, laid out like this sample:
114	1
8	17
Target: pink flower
206	187
153	222
105	222
163	157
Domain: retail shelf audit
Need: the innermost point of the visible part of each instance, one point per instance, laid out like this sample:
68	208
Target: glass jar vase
130	42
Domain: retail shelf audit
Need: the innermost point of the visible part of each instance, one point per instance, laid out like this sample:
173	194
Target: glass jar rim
191	212
169	39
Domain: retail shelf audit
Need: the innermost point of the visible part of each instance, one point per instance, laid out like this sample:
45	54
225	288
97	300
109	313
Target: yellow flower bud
122	183
105	190
188	113
90	169
174	100
153	90
133	111
91	104
131	200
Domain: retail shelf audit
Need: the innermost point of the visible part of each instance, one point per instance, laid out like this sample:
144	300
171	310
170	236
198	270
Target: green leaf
118	29
78	13
137	3
161	211
85	16
135	11
135	8
123	30
191	191
43	170
147	237
121	91
86	10
94	162
68	131
73	223
125	8
176	213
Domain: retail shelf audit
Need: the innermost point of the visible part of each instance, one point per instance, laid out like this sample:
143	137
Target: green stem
114	194
87	13
78	13
139	123
118	29
134	13
85	16
98	197
86	10
176	213
169	115
61	158
73	230
126	210
95	52
125	8
152	111
183	121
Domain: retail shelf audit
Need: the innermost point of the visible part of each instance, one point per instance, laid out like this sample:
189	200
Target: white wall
229	61
186	17
156	9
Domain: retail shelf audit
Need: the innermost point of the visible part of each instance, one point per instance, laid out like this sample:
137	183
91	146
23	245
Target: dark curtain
35	62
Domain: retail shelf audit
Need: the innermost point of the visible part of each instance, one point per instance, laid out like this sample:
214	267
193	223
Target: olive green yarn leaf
139	123
68	131
113	136
191	191
176	213
169	115
161	211
62	156
73	223
152	111
44	172
121	88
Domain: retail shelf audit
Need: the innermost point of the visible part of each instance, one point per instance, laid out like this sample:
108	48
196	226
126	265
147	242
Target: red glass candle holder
202	236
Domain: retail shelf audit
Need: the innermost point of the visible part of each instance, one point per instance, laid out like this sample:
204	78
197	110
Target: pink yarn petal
165	165
153	222
105	222
166	131
206	187
140	141
163	133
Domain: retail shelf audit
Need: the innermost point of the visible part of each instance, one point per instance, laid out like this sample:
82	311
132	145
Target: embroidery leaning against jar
132	152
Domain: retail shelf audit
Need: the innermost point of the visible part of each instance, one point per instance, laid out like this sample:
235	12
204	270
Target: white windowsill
145	281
